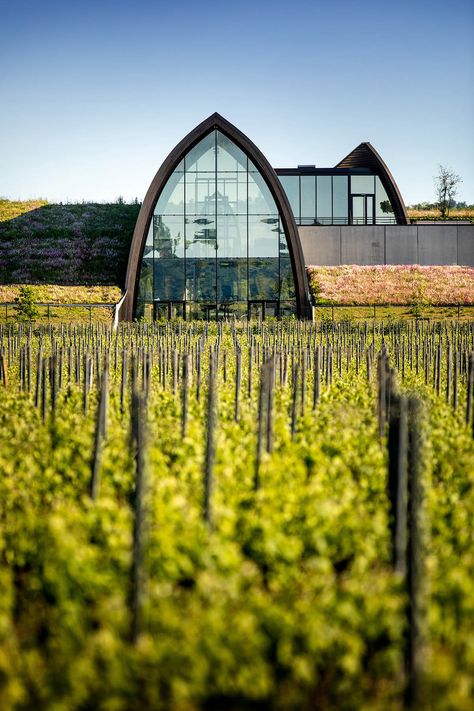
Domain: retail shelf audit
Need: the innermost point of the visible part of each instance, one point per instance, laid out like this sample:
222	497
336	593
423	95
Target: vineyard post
100	432
470	387
414	556
138	439
397	445
210	440
185	387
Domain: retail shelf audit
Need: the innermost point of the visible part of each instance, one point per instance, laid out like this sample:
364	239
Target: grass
454	214
392	313
65	244
55	293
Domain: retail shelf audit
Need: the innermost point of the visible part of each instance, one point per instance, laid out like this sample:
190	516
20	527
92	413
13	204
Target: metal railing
328	221
414	308
7	308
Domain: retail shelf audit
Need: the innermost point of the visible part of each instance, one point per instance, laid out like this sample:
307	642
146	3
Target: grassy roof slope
65	244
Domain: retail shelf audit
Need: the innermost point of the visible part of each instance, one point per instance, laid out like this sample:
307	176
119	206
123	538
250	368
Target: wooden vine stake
138	444
100	432
414	656
210	439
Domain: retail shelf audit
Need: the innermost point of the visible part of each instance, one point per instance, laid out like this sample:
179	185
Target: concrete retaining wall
388	244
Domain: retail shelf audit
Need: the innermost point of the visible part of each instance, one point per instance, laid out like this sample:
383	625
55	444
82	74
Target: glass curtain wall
325	199
216	244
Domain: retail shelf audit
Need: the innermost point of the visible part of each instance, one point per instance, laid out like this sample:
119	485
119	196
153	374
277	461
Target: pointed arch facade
216	228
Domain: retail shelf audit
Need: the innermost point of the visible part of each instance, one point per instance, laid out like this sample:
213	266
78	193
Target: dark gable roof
365	156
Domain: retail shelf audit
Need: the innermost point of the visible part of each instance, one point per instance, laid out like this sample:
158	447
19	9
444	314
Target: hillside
65	244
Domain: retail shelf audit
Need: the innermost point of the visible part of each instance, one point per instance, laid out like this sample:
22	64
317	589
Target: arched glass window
216	244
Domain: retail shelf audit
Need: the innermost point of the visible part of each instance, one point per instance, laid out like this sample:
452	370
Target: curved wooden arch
158	183
365	156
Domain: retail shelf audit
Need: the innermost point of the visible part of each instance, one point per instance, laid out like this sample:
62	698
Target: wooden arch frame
365	156
158	183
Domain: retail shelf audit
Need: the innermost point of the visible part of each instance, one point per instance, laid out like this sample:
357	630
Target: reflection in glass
291	185
383	207
171	200
324	199
201	279
263	241
362	184
260	199
308	197
216	238
229	156
232	279
263	278
168	284
340	204
358	209
168	236
203	156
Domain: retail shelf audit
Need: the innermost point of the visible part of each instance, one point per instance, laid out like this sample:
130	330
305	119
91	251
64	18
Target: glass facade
338	199
216	245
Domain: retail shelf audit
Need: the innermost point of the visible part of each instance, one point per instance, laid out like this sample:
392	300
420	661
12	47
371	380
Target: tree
25	306
386	206
445	186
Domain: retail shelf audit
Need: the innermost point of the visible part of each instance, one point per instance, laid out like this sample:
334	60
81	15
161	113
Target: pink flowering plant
397	285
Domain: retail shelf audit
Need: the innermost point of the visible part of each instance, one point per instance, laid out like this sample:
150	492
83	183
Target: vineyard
234	516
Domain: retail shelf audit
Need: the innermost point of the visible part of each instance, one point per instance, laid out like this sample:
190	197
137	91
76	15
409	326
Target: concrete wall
388	244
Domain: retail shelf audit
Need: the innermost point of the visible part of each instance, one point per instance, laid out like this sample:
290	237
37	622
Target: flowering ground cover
65	244
411	284
60	294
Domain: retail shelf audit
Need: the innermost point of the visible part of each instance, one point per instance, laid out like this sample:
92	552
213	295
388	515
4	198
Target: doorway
362	209
260	309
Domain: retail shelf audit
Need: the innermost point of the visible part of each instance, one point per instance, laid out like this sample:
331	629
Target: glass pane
324	199
384	210
201	236
229	156
287	308
232	236
291	185
171	200
362	183
232	279
282	241
287	287
263	235
358	210
145	284
263	278
168	236
369	209
201	279
203	155
201	193
308	197
260	199
340	204
231	193
168	280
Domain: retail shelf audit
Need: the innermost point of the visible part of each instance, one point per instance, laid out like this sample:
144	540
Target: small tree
25	305
386	206
445	185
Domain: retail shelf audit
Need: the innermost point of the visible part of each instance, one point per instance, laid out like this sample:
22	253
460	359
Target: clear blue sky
94	95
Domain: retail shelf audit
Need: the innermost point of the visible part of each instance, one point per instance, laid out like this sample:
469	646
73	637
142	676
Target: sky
95	94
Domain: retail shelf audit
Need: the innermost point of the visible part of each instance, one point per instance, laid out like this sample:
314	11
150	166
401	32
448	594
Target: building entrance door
163	310
260	309
362	209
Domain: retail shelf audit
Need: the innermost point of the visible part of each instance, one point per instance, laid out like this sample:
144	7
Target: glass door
260	309
163	310
362	209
